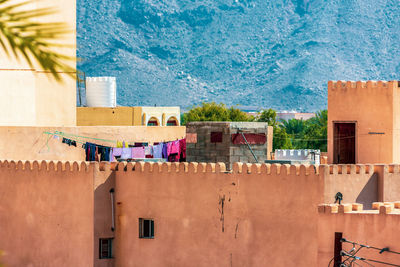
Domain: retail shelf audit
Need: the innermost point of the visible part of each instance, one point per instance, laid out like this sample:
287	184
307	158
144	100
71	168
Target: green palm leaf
23	37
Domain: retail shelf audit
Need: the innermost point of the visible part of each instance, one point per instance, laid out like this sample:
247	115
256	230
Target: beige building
128	116
29	96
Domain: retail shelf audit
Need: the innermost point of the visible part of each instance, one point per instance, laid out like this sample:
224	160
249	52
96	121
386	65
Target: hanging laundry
119	144
73	143
90	150
148	151
157	151
173	147
138	152
105	153
126	153
96	155
173	151
182	148
116	152
165	151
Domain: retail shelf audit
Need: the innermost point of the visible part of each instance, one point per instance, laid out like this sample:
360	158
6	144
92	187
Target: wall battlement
337	85
58	166
199	167
220	167
357	208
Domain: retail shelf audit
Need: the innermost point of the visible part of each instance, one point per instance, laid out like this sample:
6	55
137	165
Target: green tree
316	132
22	36
269	116
281	139
214	112
295	129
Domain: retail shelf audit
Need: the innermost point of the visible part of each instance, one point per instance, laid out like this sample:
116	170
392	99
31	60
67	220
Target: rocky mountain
262	53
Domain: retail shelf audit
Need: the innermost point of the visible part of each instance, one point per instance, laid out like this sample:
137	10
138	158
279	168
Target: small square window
105	248
216	137
146	228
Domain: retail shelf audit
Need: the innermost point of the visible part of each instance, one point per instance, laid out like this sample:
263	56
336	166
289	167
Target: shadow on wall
369	193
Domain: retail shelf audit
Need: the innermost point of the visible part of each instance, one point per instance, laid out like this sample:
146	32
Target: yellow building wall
120	116
124	116
31	97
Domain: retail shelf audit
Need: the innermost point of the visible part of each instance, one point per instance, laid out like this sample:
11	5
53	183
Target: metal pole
251	150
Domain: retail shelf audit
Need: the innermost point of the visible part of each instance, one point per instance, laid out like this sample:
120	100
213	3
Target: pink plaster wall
373	106
269	216
104	181
46	214
365	227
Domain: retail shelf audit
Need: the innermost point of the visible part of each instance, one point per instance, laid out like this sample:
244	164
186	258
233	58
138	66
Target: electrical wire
365	260
329	264
381	250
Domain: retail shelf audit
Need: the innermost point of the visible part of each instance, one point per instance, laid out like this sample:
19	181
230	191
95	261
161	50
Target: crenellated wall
46	213
375	108
254	215
376	228
257	215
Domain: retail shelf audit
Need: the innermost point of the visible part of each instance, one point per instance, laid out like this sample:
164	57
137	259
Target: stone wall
205	150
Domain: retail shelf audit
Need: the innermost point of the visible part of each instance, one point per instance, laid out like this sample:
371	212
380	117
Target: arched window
172	121
152	122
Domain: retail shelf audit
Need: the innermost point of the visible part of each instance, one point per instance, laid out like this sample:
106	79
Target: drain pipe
112	209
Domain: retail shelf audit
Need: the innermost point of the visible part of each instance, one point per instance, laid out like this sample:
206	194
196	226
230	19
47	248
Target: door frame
355	141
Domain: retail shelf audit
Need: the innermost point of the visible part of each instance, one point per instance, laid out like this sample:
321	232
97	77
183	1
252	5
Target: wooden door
344	143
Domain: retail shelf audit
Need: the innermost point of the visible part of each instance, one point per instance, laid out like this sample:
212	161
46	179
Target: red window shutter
216	137
252	139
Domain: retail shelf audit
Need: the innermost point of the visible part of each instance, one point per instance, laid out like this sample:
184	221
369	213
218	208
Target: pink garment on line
173	147
138	152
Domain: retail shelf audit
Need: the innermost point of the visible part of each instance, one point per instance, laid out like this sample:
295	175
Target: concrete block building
229	142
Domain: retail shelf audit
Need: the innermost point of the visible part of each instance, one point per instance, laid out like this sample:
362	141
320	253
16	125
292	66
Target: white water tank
101	92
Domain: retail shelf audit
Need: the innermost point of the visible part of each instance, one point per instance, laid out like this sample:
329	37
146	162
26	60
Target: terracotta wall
258	216
357	183
373	228
104	181
374	106
30	143
46	214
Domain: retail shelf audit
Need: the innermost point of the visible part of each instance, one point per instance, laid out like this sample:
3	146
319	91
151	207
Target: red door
344	143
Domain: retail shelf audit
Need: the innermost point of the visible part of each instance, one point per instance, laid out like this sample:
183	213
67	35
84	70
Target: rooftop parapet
48	166
357	208
337	85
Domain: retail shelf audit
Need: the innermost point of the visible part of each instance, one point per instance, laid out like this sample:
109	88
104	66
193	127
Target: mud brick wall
214	142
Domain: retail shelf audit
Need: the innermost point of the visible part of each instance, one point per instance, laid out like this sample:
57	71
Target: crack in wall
221	211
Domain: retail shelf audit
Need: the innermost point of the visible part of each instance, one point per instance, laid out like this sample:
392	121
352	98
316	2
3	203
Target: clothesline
171	151
69	135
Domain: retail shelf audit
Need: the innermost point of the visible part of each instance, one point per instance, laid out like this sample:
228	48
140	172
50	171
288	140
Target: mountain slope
277	54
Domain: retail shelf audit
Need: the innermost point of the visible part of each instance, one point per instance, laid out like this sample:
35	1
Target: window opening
146	228
216	137
105	248
172	122
152	122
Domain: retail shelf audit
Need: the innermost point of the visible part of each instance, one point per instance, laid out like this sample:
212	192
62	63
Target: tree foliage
23	36
214	112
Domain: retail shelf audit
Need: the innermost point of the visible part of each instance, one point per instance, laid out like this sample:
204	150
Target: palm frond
23	37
